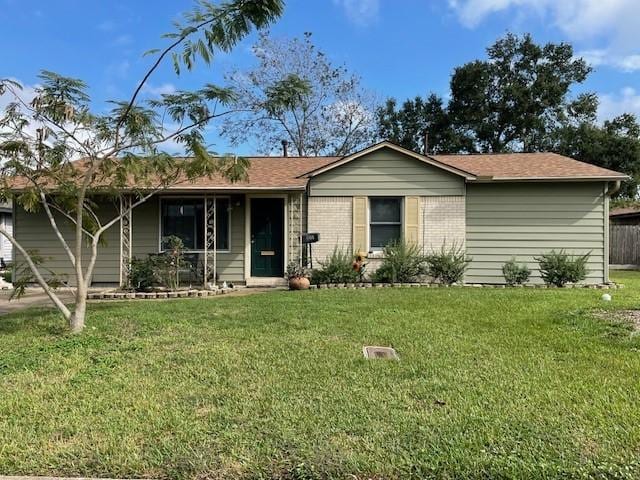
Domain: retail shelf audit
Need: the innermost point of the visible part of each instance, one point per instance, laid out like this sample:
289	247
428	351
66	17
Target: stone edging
156	295
601	286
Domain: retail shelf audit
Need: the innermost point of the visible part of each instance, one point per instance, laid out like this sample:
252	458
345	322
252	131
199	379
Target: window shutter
412	220
359	224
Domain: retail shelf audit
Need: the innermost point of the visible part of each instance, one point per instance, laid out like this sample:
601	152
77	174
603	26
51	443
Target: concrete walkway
35	297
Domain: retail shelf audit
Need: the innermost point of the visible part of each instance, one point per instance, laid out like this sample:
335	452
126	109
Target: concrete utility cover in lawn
380	352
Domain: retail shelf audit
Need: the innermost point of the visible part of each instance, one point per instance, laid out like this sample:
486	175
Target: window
184	218
385	221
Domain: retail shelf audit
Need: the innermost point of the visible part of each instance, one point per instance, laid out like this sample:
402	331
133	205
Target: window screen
385	221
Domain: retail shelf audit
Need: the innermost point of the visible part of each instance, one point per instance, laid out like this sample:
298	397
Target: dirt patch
629	317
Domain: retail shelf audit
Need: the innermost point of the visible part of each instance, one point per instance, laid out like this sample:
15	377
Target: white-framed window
183	217
385	221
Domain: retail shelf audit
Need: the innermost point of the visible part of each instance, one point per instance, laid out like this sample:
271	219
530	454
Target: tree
513	100
58	154
614	145
407	125
326	112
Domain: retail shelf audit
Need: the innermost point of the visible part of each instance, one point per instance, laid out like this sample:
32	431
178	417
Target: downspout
614	190
608	192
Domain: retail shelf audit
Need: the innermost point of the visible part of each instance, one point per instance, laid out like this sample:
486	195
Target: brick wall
332	218
443	221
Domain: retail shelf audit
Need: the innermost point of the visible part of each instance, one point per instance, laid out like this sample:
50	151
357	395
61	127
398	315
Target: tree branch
36	273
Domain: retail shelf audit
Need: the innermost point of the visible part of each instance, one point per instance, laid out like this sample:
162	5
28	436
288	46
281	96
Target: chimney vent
285	144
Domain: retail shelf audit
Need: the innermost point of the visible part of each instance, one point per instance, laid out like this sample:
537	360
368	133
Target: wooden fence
624	244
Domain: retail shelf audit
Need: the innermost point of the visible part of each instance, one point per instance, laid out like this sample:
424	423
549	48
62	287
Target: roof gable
392	146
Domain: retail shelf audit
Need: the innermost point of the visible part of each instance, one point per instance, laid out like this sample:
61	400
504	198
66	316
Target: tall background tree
519	99
58	155
328	113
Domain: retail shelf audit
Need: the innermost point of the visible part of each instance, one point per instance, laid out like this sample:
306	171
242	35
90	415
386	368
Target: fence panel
624	244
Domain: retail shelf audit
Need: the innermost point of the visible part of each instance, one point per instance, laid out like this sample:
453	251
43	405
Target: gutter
491	179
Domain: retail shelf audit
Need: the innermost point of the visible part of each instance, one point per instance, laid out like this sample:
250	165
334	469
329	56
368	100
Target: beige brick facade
331	217
443	222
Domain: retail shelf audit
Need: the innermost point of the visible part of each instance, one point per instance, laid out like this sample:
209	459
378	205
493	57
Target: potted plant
298	276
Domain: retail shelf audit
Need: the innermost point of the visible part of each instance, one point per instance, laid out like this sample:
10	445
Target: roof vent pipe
285	144
426	142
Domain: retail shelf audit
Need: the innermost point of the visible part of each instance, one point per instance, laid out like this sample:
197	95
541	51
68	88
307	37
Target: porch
240	237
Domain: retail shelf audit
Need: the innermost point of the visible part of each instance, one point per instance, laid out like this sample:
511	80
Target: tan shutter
412	220
360	224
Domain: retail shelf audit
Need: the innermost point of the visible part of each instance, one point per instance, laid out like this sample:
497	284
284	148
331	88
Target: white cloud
612	22
598	57
26	95
627	100
122	40
157	90
360	12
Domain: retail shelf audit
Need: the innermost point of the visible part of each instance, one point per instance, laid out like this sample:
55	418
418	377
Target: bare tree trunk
76	321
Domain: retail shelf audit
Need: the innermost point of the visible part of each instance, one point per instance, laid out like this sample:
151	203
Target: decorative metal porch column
210	249
296	214
126	239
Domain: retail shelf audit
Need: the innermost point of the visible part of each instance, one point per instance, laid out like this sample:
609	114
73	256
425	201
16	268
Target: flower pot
299	283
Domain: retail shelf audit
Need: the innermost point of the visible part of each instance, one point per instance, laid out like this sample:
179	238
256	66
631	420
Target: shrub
7	275
448	266
514	273
560	268
337	268
141	274
402	262
167	267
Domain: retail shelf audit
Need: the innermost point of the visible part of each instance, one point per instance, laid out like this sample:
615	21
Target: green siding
527	219
146	235
386	172
34	232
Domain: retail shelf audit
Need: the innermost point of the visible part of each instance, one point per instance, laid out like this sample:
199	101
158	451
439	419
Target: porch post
126	238
295	226
210	253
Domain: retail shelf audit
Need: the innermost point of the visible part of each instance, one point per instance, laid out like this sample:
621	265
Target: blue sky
400	48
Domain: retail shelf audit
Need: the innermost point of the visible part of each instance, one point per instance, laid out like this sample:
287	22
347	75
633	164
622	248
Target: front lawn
490	383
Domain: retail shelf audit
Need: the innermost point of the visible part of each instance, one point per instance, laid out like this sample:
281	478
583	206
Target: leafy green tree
515	98
406	125
295	93
58	154
614	145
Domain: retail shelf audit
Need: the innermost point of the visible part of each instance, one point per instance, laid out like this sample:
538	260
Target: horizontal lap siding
386	172
146	237
525	220
34	232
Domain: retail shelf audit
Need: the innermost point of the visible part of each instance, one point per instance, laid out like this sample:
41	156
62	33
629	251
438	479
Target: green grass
513	383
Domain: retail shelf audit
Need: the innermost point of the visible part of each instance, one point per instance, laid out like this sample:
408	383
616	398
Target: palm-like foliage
57	153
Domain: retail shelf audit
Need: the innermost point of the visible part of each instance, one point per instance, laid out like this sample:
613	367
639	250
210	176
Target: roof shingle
526	166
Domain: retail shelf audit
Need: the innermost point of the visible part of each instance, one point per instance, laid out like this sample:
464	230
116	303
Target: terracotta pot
299	283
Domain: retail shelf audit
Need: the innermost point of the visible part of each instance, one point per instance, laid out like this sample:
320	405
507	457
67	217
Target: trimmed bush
515	273
560	268
402	263
337	268
448	266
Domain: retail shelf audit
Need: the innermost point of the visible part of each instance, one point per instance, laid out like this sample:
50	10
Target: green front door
267	237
